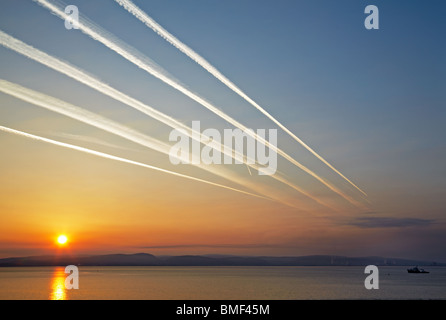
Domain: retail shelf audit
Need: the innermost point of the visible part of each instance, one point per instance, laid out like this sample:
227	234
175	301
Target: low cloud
232	246
388	222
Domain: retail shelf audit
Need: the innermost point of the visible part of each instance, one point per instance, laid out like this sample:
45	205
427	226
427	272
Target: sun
62	239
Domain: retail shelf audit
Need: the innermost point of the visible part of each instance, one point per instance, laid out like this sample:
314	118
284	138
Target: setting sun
62	239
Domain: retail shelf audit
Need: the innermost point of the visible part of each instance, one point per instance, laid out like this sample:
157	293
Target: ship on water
417	270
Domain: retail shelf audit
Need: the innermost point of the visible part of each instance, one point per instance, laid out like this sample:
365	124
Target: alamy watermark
234	146
72	279
72	18
372	20
372	280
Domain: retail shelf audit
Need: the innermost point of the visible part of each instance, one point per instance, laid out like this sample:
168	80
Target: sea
221	283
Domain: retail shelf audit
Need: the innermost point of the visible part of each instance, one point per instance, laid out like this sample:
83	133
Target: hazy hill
145	259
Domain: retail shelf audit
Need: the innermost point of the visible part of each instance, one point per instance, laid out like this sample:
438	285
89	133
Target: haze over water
226	283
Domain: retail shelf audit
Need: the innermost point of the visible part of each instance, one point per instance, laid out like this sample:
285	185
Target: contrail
93	119
152	24
94	83
88	140
109	156
82	115
143	62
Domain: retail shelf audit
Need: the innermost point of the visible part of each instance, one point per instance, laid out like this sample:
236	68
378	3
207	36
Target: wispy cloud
148	21
98	121
145	63
111	157
89	80
231	246
88	139
389	222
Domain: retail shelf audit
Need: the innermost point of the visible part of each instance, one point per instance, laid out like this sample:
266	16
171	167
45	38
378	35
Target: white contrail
75	112
143	62
109	156
93	119
94	83
152	24
88	139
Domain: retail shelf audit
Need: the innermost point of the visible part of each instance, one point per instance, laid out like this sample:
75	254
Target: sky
370	102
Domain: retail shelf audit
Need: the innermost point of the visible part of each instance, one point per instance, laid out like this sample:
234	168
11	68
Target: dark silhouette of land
145	259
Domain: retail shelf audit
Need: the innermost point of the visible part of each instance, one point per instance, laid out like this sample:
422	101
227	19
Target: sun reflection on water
58	290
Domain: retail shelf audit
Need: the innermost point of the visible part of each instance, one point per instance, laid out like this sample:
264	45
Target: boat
417	270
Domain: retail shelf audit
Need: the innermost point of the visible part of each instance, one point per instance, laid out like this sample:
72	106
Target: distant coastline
145	259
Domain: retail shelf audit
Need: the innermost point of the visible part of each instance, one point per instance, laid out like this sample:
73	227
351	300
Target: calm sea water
226	283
